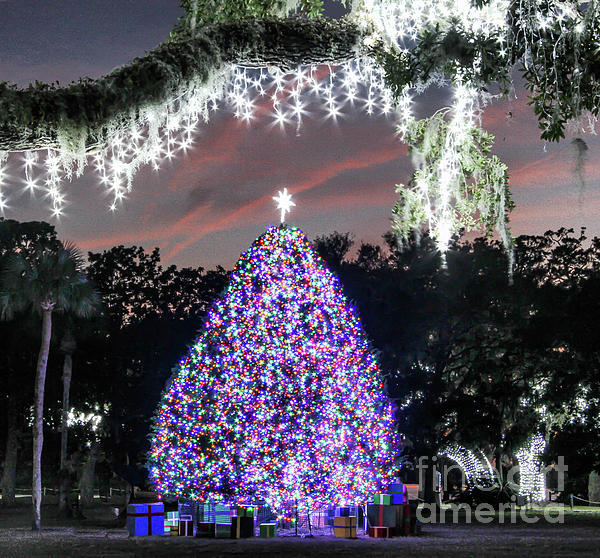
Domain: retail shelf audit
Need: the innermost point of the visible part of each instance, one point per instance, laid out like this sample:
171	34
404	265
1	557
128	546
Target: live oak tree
473	46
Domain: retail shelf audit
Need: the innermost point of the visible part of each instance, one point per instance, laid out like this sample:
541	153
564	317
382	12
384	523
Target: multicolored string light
280	398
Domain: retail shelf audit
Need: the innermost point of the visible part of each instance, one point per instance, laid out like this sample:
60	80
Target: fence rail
50	491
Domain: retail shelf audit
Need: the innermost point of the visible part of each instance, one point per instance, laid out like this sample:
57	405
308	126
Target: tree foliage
477	181
472	45
468	358
474	360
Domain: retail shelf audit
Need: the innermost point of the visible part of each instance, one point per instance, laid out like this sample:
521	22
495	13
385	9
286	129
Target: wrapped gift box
379	532
343	521
222	513
191	508
245	511
223	530
268	530
186	526
396	488
383	499
406	523
242	527
398	492
386	516
330	515
145	519
205	529
206	512
171	519
345	527
173	531
342	511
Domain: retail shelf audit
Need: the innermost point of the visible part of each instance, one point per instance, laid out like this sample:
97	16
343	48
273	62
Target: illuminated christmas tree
280	398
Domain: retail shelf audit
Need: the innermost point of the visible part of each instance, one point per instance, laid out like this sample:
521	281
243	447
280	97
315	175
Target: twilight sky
208	207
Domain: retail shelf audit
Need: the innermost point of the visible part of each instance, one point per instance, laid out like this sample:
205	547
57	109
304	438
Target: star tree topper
284	202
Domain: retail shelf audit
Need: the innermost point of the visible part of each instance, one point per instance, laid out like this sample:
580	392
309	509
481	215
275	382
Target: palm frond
47	275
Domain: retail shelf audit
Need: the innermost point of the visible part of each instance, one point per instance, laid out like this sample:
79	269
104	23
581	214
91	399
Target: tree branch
32	118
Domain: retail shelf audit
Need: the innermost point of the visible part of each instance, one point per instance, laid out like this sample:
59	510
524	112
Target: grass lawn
97	536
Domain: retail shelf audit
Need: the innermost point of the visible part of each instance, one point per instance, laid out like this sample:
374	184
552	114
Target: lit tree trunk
68	347
499	445
38	420
498	460
9	474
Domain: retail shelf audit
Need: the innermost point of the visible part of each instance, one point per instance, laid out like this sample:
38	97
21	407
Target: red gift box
186	526
379	532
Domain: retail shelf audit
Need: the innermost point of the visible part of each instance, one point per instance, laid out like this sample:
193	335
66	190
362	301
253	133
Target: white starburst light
284	202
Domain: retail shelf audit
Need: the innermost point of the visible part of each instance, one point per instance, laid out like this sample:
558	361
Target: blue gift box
145	519
397	491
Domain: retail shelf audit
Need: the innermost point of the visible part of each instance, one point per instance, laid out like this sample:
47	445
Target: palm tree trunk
64	474
9	474
38	420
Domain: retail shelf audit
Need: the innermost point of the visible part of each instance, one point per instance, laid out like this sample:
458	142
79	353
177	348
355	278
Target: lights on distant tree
474	468
533	478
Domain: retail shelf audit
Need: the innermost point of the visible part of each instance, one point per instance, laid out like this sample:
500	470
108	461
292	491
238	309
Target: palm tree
68	344
73	329
52	280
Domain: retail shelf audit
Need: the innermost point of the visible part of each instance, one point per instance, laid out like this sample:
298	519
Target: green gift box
205	529
268	530
382	499
223	530
171	519
222	514
245	511
242	527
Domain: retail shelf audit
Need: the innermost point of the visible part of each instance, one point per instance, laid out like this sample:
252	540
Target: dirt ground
97	536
